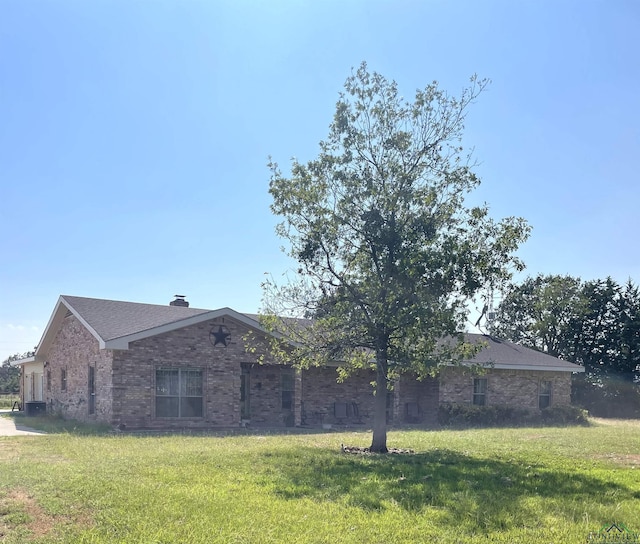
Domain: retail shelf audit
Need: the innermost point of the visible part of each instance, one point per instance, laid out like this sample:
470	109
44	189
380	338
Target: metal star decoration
221	336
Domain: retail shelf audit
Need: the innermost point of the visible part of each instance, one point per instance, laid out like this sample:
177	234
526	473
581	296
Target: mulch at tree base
357	450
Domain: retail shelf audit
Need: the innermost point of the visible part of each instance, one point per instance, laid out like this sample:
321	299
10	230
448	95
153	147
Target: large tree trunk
379	441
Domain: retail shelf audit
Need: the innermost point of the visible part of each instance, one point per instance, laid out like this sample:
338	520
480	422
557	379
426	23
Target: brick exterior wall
125	379
416	401
74	350
125	383
191	348
320	392
505	387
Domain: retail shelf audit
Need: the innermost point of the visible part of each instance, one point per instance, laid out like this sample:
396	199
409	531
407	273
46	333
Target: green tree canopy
10	375
542	313
388	254
593	323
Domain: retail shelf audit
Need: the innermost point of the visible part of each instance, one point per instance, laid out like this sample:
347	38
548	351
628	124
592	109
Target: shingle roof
502	354
114	318
116	323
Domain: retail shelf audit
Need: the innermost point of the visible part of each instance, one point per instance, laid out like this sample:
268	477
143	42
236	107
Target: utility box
35	408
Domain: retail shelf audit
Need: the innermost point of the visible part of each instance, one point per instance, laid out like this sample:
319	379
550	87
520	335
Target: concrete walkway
8	427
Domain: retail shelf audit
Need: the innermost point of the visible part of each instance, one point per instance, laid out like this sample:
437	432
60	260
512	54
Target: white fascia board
507	366
55	321
123	342
19	362
86	325
255	324
51	325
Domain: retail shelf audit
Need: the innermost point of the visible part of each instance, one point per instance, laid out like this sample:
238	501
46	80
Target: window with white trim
480	391
178	392
544	395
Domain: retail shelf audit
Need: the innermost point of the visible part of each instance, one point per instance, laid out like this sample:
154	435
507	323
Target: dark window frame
179	393
480	388
287	389
92	389
545	392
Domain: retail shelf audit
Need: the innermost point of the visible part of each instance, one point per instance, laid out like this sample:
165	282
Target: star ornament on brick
220	336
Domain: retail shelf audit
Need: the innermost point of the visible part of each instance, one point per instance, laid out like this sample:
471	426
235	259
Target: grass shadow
460	489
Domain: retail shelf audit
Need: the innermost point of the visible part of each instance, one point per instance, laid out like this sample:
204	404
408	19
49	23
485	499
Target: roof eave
19	362
55	321
122	343
548	368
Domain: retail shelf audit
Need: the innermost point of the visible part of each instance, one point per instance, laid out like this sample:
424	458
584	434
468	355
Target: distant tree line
592	323
10	375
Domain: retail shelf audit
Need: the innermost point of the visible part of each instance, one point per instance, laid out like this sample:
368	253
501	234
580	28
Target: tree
595	324
388	255
608	345
542	313
10	375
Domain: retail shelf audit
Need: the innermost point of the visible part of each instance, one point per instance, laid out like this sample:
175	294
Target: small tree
388	255
10	375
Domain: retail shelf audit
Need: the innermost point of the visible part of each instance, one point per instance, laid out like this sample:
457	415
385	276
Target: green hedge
6	401
468	415
564	414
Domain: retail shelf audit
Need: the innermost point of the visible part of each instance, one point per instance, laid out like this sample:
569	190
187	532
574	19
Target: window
178	392
92	390
480	391
63	379
287	387
48	380
544	395
245	391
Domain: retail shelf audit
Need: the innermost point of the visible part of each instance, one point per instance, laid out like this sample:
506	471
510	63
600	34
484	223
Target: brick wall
421	395
191	348
320	392
74	350
125	382
505	387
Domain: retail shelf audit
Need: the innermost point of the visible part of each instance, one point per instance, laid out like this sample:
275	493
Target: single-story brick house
160	367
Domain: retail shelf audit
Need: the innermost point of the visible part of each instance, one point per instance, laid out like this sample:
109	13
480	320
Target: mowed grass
6	401
527	485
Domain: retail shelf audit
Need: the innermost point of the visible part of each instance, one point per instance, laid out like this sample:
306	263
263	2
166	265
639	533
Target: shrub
468	415
564	414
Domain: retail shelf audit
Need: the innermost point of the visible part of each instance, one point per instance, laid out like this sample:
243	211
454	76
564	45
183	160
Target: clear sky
134	134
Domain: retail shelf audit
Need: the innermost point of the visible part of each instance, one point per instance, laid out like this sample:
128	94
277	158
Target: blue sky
134	134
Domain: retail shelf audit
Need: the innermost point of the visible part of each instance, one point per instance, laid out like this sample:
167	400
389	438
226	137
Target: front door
33	387
245	388
28	388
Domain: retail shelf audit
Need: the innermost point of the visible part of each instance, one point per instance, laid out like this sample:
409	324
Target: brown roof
507	355
116	323
114	318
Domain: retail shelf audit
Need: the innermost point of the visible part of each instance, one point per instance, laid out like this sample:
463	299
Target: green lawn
6	401
531	485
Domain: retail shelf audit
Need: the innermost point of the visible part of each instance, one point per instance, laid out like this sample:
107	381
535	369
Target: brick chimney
179	301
